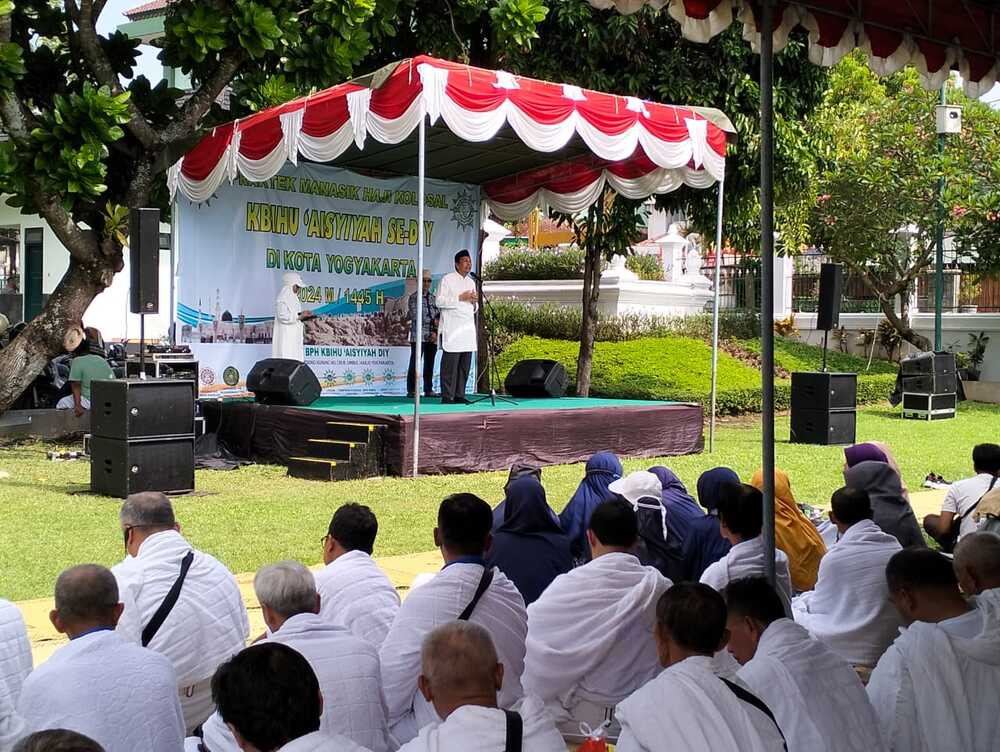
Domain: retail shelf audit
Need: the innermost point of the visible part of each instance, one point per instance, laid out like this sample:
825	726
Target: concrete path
401	570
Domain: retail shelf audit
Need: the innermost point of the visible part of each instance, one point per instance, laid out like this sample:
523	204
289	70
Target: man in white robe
590	634
977	563
206	625
462	534
269	698
689	707
11	722
122	696
935	687
850	610
741	519
287	336
460	676
816	697
346	666
354	592
15	651
458	301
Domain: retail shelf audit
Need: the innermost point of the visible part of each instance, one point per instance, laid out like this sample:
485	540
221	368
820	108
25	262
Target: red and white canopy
554	145
932	35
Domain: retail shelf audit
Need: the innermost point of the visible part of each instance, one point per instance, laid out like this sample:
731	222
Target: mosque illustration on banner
224	328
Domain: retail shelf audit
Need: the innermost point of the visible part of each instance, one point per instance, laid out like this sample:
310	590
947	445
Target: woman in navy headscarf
602	469
704	544
529	546
681	508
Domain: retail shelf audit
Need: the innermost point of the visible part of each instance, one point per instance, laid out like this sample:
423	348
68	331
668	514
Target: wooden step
334	449
314	468
357	432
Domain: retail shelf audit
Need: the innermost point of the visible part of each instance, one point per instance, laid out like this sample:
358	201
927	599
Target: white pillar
784	268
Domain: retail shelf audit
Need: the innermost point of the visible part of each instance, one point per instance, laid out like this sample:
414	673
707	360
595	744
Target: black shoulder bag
751	699
484	584
515	732
949	539
167	606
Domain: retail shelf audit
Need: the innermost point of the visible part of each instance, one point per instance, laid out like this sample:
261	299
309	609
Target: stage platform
463	438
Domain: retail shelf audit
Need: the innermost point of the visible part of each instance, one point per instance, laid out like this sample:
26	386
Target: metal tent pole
939	242
418	365
715	316
767	275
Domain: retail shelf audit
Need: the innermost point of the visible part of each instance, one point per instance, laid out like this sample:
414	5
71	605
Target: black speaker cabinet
929	406
536	378
931	383
824	426
824	391
279	381
142	408
928	363
144	260
119	467
831	284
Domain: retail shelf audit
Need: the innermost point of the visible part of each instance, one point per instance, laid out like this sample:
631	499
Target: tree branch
90	46
200	101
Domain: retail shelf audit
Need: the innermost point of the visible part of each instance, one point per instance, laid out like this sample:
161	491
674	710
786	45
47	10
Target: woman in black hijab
529	546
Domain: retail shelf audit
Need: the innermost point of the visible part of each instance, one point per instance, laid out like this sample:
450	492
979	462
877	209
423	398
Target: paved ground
401	570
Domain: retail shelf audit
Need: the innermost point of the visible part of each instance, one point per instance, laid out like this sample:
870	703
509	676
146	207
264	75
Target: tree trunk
901	322
588	319
24	358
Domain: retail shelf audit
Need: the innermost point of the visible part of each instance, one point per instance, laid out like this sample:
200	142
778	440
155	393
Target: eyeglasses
128	529
322	541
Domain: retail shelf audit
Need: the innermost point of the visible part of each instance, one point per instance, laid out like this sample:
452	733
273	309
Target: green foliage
679	368
516	21
11	65
544	264
798	356
646	267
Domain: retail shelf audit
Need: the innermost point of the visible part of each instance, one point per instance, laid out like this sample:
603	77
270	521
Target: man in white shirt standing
930	689
208	621
849	610
458	302
460	676
120	695
270	699
816	697
590	634
355	593
963	495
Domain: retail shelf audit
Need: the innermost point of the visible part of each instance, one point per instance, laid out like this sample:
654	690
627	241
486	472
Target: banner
353	240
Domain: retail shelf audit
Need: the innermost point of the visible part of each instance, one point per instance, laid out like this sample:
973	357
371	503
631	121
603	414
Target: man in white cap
457	300
287	342
656	547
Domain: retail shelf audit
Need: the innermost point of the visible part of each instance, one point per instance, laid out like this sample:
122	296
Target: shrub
645	266
545	264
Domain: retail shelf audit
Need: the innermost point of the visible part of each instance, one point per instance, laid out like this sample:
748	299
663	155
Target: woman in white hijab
287	342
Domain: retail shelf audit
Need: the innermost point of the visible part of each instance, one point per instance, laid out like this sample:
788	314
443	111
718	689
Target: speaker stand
826	337
142	346
492	375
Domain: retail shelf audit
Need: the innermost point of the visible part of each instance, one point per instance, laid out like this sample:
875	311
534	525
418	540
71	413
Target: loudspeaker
279	381
931	383
144	260
119	467
928	363
824	391
536	378
831	283
142	408
824	427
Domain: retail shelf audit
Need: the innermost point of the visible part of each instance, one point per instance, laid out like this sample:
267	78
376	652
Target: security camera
949	118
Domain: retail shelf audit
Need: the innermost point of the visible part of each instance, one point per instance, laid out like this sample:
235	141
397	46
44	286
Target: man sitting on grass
964	495
977	564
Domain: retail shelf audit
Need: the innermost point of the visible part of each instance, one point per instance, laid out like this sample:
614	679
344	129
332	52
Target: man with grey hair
346	666
178	601
977	564
460	676
122	696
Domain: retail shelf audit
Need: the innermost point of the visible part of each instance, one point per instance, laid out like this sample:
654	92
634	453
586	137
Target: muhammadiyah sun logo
231	376
464	208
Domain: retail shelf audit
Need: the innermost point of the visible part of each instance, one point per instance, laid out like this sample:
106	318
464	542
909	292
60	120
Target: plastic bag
596	740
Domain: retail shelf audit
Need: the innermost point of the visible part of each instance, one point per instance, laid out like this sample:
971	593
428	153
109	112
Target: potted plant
962	365
968	294
976	354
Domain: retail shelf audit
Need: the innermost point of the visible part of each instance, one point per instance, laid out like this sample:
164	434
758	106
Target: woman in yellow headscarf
793	533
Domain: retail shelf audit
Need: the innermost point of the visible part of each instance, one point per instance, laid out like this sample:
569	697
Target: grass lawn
257	514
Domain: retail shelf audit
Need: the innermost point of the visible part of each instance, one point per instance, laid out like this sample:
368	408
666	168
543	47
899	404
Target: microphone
474	277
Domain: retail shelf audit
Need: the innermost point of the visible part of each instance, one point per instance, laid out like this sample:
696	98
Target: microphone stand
492	375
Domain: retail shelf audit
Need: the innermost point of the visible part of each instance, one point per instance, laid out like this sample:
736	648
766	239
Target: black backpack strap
515	731
167	606
484	583
751	699
972	509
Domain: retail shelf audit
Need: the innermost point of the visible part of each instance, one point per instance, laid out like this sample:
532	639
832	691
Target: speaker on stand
144	271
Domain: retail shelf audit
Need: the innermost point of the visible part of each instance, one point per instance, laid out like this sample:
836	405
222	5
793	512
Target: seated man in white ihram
270	699
122	696
346	666
816	697
178	601
936	686
590	634
460	676
849	610
689	707
741	519
354	592
977	564
466	590
287	337
15	652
